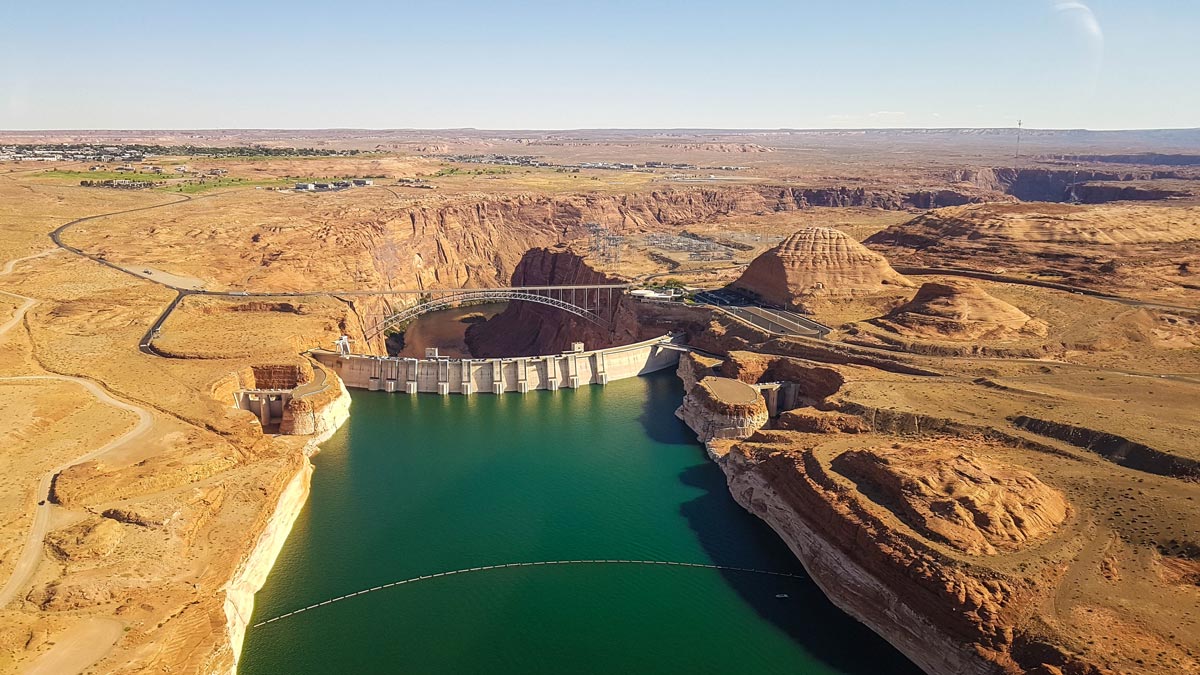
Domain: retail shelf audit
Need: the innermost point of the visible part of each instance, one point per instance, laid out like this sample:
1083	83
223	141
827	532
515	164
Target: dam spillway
568	370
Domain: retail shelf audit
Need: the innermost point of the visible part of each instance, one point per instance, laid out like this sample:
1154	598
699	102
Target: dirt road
31	554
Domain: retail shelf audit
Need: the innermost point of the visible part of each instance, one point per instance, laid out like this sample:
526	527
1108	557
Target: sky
566	64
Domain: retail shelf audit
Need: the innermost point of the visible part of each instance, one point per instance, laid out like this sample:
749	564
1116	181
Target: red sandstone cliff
530	329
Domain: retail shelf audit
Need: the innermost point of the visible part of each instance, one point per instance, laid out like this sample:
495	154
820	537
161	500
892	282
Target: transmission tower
1020	123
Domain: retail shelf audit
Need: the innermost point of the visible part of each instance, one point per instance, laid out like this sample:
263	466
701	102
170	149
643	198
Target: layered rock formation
816	381
1146	251
271	241
722	408
970	549
955	309
1063	185
817	262
531	329
972	504
947	618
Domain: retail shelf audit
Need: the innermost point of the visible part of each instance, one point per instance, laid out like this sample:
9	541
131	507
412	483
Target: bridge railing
589	302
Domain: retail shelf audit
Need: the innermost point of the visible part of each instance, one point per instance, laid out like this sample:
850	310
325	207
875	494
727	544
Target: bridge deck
434	291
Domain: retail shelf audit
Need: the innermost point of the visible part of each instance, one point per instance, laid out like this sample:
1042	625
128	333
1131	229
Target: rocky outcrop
975	505
88	539
813	421
939	615
693	367
816	382
722	408
956	309
531	329
817	262
1114	448
277	376
319	411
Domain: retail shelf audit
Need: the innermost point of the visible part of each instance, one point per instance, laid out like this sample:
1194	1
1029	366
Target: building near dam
439	375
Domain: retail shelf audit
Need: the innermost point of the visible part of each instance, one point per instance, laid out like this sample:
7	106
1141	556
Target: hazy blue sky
566	64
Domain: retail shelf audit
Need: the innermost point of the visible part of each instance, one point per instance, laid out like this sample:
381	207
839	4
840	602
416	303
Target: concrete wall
498	376
269	406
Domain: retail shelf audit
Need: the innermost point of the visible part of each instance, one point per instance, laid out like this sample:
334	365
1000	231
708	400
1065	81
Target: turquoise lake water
415	485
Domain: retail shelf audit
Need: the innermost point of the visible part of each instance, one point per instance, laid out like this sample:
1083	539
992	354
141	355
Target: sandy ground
32	550
151	442
78	647
194	481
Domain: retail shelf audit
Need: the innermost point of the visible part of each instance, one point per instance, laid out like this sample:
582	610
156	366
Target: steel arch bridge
593	303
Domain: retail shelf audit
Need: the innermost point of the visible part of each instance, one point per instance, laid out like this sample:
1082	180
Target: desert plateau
590	338
985	454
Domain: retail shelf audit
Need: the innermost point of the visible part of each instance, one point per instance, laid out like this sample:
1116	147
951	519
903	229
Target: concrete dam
568	370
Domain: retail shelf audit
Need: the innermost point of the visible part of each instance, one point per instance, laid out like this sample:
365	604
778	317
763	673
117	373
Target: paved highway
770	318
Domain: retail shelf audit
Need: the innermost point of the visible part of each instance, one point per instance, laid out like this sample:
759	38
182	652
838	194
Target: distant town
66	152
537	162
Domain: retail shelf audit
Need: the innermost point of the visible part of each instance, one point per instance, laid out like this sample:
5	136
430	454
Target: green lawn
76	176
231	182
222	182
177	183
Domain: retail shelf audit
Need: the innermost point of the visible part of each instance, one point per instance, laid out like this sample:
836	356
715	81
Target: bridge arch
549	296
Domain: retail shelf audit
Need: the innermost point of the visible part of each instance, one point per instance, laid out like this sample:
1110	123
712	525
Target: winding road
31	553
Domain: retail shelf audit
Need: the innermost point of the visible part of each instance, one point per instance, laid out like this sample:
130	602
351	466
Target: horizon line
593	129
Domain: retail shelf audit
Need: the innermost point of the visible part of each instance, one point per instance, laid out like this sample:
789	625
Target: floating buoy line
467	570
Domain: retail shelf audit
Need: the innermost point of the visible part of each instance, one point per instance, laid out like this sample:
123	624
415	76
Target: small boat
781	595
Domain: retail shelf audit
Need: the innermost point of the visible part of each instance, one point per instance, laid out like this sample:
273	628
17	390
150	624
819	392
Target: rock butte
817	262
956	309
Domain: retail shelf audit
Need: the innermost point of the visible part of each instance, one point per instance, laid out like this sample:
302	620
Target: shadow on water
661	425
731	536
806	614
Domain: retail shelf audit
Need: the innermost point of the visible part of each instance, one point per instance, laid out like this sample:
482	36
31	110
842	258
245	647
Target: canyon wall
481	240
329	410
1062	185
854	572
897	532
530	329
252	573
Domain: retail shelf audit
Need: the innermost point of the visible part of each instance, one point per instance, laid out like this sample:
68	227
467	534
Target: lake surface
415	485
